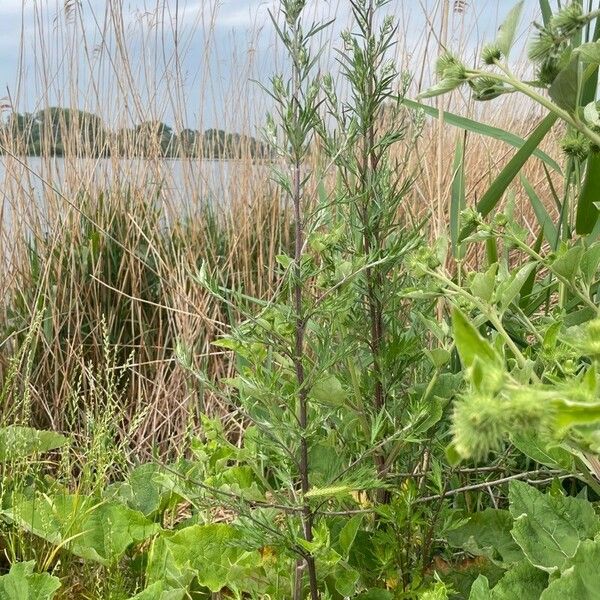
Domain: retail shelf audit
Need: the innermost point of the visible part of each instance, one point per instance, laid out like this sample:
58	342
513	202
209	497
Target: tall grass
103	251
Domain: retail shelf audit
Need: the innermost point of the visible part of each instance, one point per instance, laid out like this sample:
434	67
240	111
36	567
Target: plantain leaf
21	583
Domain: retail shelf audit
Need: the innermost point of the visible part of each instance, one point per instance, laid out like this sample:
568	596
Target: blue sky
224	44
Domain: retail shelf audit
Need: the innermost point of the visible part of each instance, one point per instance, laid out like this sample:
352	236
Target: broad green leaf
508	29
549	528
591	114
589	53
487	533
482	129
159	591
494	193
209	553
564	88
483	284
581	579
348	534
522	581
567	262
535	448
100	531
590	262
328	391
569	413
480	590
142	490
469	342
587	208
345	578
17	442
21	583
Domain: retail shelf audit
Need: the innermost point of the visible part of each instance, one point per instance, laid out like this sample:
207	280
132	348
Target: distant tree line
56	131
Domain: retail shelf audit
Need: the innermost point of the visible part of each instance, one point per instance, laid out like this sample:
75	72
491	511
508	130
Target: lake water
182	185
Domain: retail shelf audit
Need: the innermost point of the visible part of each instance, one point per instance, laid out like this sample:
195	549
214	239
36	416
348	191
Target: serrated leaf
487	533
549	528
522	581
99	531
581	579
159	591
533	447
209	553
21	583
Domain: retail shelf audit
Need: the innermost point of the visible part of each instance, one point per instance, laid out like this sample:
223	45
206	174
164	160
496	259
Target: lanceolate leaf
457	197
469	342
494	193
482	129
541	214
508	29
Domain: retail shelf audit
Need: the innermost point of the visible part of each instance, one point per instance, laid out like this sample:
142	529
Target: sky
73	51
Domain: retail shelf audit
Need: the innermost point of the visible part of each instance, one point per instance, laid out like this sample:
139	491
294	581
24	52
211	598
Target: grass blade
482	129
457	194
494	193
543	218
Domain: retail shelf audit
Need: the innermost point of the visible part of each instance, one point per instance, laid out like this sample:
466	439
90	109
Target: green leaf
587	208
21	583
487	533
590	261
535	448
541	214
328	391
469	342
581	579
159	591
494	193
99	531
589	53
565	87
508	29
483	284
549	528
567	262
482	129
209	553
18	442
457	194
513	286
522	581
348	534
480	590
546	11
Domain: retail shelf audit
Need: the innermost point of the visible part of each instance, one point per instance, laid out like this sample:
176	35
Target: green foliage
21	583
18	443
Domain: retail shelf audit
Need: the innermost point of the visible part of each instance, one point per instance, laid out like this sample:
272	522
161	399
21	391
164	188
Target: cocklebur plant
565	55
